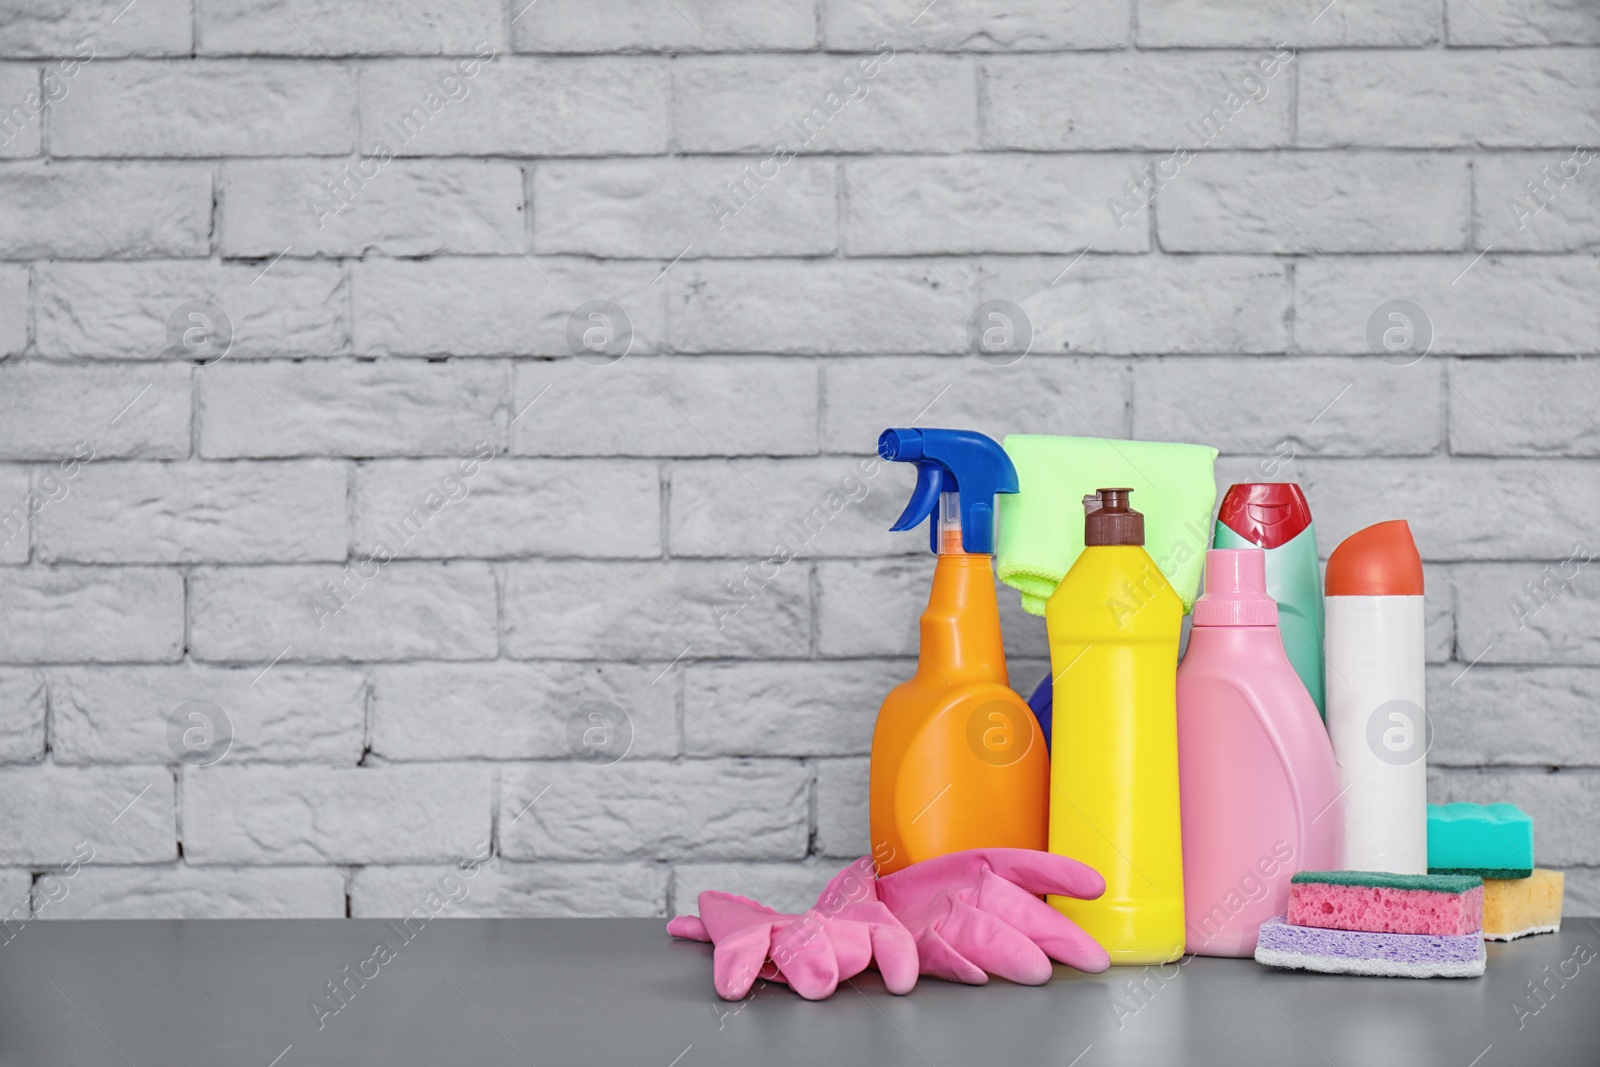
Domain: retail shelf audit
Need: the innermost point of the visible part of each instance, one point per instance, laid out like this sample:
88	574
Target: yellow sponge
1516	907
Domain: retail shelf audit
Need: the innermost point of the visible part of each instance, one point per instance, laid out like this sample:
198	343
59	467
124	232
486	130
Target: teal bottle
1275	516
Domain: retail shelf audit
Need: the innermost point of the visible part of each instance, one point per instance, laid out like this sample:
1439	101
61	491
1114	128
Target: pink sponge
1381	903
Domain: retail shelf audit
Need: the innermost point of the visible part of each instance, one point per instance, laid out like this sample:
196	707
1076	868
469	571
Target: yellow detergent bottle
1113	624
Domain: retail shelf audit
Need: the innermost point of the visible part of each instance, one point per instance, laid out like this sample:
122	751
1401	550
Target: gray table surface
619	991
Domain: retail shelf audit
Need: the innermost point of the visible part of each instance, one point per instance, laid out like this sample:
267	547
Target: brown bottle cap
1113	522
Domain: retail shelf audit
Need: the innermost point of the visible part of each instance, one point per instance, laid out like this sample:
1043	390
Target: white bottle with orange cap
1375	652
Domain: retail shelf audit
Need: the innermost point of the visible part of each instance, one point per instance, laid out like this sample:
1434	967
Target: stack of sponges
1495	842
1375	923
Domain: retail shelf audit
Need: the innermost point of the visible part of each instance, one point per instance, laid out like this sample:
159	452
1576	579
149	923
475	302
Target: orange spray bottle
958	760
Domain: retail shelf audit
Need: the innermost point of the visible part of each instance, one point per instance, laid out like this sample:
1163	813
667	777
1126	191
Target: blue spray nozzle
952	461
901	444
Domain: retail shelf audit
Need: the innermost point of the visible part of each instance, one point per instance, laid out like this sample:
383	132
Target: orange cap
1381	560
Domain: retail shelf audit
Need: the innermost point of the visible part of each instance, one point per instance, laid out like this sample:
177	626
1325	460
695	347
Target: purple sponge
1314	948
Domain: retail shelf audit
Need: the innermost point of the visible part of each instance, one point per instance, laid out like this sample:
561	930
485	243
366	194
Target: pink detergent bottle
1258	785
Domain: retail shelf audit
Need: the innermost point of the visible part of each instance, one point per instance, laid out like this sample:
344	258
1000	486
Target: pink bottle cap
1236	590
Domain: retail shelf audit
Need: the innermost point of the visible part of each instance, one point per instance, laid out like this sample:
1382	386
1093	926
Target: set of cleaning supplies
1495	842
957	759
1260	788
1274	517
1375	706
1113	625
1378	923
1266	797
960	917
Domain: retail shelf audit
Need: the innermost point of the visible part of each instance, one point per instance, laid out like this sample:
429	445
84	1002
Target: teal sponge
1489	840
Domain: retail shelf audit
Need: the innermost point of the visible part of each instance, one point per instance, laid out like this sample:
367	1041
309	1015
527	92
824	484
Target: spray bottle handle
924	500
952	461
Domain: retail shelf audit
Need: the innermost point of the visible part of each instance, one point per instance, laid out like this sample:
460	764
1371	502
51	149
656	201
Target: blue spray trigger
952	461
924	498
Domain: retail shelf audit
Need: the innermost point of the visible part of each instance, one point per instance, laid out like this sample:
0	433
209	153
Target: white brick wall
461	586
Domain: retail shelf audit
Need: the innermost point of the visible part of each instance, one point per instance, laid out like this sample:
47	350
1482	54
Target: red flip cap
1267	514
1381	560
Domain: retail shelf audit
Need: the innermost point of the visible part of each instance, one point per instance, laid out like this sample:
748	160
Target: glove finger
688	926
1058	936
936	958
809	966
852	947
1045	872
895	952
736	961
995	945
726	914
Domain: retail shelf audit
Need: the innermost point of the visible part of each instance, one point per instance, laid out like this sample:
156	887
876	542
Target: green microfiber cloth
1041	527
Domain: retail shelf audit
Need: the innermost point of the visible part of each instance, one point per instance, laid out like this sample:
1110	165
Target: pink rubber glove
978	911
836	940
